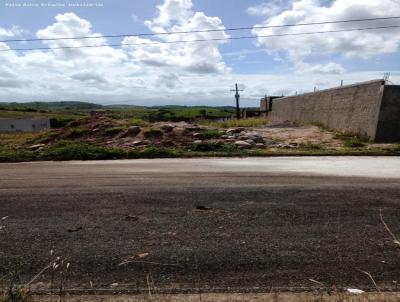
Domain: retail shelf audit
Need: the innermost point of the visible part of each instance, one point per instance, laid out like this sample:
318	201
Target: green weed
113	131
209	134
70	150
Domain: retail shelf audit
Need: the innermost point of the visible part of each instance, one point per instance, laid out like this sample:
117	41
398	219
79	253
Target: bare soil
269	297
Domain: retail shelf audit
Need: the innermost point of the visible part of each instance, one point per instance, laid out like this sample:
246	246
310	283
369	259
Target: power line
196	31
201	40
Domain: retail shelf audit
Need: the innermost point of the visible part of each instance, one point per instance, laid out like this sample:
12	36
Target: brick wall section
353	108
388	128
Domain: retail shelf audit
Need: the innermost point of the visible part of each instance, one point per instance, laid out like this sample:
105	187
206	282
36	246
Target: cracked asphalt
210	224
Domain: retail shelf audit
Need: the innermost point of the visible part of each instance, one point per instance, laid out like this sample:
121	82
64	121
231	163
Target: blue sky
191	74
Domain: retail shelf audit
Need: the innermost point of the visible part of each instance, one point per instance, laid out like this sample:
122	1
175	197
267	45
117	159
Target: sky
202	73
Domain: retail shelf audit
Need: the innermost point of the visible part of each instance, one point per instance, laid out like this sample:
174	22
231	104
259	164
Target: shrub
69	150
354	143
46	137
212	147
16	155
113	130
311	146
17	294
75	133
209	134
154	152
139	122
59	122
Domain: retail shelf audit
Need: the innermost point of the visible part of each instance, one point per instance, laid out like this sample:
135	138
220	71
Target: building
23	124
369	109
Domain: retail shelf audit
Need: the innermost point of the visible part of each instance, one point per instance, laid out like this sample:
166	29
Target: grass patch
209	134
354	143
155	152
17	294
18	155
113	131
212	146
70	150
311	146
75	132
351	140
139	122
251	122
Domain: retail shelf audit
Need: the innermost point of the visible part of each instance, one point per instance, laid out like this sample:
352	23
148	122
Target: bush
113	130
209	134
154	152
17	294
139	122
69	150
59	122
16	155
75	133
311	146
212	147
354	143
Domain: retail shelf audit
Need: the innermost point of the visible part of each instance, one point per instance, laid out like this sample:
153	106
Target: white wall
23	125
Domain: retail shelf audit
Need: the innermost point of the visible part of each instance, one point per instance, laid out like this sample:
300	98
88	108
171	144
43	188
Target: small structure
23	124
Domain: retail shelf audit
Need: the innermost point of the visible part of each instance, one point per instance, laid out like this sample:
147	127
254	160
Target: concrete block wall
369	109
388	128
24	124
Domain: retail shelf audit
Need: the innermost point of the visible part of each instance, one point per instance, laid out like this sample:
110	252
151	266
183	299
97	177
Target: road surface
209	224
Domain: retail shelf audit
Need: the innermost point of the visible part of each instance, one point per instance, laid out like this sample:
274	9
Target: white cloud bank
349	44
190	73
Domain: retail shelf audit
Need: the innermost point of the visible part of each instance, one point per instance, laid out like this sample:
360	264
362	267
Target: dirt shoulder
266	297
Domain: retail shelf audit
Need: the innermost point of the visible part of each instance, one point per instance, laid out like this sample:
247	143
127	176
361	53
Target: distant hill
49	106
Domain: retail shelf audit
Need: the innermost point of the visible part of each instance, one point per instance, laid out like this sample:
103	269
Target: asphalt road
214	224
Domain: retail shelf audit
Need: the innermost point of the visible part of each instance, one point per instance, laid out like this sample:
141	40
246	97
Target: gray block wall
369	109
23	124
388	128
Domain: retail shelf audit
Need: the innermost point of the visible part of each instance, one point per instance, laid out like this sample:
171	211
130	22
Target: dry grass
270	297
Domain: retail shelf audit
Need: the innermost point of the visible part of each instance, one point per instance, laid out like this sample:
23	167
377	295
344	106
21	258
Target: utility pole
237	97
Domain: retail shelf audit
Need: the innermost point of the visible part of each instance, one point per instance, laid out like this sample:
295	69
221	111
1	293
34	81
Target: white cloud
106	74
267	9
329	68
197	58
356	43
12	32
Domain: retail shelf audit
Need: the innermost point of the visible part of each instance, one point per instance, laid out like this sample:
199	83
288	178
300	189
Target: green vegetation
75	132
209	134
71	150
311	146
17	294
114	131
211	146
351	140
139	122
354	143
